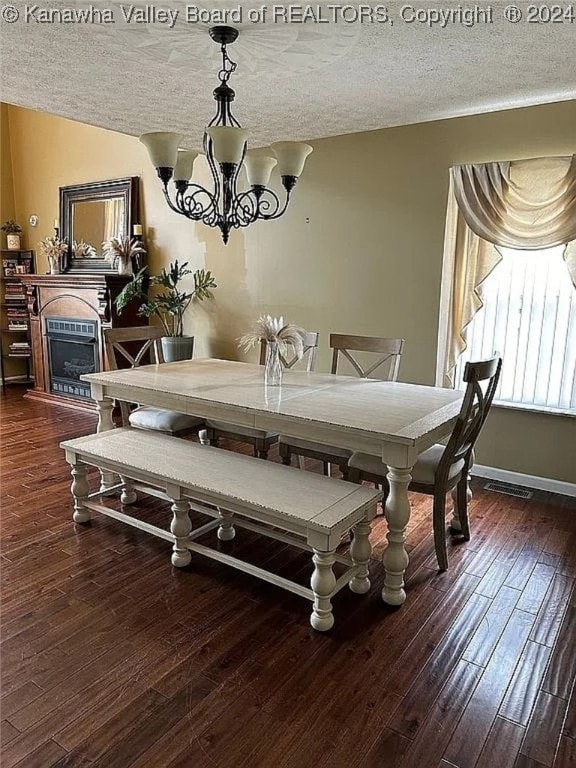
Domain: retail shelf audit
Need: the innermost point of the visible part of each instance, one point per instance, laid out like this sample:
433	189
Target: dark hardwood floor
113	659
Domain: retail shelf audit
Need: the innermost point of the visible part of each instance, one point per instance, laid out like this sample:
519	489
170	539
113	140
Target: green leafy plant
169	303
11	228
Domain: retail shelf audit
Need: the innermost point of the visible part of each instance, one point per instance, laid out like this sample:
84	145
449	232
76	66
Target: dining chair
444	468
388	353
143	344
259	439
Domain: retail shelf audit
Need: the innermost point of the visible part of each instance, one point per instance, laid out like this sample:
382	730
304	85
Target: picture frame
9	268
21	269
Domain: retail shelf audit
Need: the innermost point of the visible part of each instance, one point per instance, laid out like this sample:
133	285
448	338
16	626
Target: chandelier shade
258	168
162	147
291	156
184	164
228	143
225	146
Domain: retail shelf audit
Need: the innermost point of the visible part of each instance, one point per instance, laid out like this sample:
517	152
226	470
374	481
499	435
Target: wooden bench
300	508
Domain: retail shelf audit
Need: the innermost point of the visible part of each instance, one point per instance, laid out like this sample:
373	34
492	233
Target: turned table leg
128	494
323	582
226	530
105	406
80	490
360	551
397	513
180	528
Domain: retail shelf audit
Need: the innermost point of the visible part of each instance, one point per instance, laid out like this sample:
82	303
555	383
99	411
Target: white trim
531	408
447	283
528	481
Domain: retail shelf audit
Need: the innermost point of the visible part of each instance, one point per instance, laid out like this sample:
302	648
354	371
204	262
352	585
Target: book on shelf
17	326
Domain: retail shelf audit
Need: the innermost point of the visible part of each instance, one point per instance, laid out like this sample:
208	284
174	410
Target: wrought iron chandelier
225	148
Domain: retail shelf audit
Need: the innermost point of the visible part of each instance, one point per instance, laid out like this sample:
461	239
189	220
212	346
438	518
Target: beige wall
6	181
359	251
7	211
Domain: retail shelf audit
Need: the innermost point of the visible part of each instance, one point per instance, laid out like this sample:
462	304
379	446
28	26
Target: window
529	317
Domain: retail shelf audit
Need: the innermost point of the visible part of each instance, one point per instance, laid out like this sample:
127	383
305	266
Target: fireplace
72	351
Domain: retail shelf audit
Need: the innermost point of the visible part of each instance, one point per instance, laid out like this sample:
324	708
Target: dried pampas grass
275	330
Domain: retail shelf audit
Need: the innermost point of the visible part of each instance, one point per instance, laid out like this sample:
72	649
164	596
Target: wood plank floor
113	659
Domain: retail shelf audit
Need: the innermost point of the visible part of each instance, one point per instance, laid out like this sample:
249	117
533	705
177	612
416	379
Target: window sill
534	409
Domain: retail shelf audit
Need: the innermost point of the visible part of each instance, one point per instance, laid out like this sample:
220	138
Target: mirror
91	214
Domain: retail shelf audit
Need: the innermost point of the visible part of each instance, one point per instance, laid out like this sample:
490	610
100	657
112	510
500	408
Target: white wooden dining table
391	420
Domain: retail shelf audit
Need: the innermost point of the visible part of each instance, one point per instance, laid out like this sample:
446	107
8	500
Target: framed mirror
91	214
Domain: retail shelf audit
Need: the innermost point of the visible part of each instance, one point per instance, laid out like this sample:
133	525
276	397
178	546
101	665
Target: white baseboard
528	481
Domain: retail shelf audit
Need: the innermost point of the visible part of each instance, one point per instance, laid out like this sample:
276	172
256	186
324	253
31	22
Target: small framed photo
21	269
9	268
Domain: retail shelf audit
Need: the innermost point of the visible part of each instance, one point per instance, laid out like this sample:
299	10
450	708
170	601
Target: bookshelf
15	339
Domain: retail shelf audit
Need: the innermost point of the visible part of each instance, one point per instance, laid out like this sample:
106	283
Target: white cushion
146	417
220	426
308	445
423	472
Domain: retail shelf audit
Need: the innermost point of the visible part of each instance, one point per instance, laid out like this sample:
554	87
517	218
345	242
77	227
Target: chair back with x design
473	413
132	345
389	352
310	342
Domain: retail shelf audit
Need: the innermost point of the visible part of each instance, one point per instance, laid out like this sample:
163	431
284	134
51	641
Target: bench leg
323	582
105	422
128	495
226	531
180	527
80	490
360	551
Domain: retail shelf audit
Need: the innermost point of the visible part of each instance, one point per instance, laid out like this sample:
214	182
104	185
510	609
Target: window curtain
524	204
113	218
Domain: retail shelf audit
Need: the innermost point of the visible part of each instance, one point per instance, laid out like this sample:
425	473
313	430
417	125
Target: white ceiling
294	81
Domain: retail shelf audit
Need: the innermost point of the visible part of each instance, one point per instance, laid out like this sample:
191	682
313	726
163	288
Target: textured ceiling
294	80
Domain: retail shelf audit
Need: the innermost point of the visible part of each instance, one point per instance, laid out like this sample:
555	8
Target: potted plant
13	232
169	303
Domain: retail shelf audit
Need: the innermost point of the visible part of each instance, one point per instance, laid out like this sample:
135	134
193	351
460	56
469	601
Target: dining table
392	420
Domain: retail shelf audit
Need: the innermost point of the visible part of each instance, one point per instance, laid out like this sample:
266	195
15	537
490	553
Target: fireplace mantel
82	297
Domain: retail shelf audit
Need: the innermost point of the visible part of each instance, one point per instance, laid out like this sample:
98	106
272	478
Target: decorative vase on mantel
13	242
273	365
124	267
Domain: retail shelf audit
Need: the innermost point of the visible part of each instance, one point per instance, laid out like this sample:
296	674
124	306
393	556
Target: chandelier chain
228	66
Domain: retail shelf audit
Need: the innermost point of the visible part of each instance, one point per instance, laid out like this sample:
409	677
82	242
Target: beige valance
529	204
524	204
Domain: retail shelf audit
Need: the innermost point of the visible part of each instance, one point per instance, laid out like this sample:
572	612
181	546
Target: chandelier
225	148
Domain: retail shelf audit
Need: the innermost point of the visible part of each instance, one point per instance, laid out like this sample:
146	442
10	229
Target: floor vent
509	489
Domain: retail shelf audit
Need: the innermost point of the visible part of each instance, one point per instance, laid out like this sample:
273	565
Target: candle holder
138	258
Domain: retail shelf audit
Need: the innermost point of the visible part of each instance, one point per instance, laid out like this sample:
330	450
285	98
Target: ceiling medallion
225	147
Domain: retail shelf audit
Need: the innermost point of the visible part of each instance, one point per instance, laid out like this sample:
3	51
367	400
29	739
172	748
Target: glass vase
273	365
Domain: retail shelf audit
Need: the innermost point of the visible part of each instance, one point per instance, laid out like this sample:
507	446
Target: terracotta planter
13	242
177	348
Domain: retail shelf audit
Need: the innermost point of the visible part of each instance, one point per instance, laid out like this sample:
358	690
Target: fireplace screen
73	351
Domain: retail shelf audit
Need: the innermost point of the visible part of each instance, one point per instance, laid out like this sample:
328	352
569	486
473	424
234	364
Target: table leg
105	422
397	516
